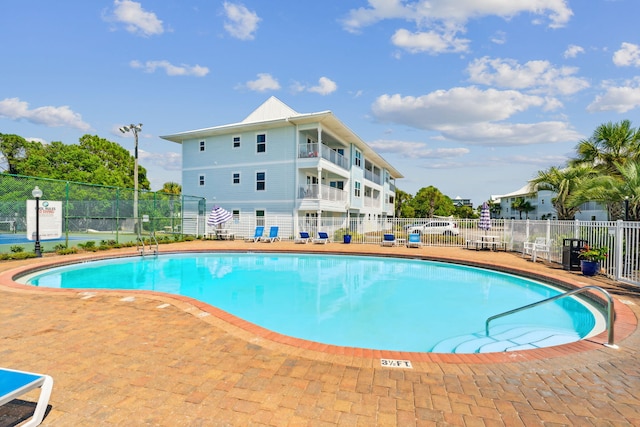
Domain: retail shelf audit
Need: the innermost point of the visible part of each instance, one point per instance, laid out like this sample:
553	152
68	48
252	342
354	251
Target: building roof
275	113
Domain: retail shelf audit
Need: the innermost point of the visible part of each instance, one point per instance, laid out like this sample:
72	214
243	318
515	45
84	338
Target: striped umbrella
485	217
218	216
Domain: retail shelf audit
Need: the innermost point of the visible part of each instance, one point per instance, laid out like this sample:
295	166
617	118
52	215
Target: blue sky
472	97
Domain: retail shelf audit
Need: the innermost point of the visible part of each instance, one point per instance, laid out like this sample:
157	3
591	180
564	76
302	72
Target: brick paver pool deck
143	359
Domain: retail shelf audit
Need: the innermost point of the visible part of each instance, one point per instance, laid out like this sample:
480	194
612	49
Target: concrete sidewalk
137	359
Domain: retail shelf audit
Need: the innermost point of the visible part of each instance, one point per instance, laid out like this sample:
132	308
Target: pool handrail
610	311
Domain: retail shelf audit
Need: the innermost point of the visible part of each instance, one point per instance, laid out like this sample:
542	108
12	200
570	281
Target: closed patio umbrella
485	217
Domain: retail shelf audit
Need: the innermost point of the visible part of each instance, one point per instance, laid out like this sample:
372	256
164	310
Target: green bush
17	249
66	251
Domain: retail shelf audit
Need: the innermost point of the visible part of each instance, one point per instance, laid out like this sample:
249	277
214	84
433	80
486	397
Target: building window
261	181
236	215
236	142
201	180
260	218
202	145
261	141
356	189
236	178
358	159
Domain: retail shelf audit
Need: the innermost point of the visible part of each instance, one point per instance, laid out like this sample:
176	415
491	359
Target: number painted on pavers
395	363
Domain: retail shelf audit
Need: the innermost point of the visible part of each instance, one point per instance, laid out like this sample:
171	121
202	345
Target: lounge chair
389	240
323	238
257	235
414	241
273	235
540	246
304	237
14	384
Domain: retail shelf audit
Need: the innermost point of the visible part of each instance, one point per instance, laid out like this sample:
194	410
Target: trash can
571	253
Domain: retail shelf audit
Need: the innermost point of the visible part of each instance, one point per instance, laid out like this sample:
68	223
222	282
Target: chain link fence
95	212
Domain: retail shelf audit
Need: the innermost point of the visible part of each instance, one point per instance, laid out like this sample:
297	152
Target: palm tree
610	143
564	183
615	189
172	188
522	205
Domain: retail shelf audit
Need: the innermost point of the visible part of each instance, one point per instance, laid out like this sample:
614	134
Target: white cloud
627	55
263	83
446	18
536	76
500	37
618	98
241	22
573	51
14	109
416	150
166	161
325	86
508	134
136	19
457	106
431	41
170	69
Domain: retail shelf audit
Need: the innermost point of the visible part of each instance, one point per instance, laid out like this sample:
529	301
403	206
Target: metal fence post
618	253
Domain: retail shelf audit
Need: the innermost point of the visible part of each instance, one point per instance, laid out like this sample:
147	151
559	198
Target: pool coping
625	321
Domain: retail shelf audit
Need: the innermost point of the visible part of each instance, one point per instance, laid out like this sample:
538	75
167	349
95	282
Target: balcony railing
371	202
323	192
306	151
372	177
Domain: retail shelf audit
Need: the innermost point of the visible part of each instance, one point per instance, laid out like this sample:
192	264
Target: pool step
505	339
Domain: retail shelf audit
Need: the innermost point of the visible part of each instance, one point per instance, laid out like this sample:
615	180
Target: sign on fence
50	219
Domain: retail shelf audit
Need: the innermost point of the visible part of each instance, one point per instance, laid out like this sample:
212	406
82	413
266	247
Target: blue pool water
355	301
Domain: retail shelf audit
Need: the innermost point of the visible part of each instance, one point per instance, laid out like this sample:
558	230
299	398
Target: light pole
37	193
134	129
626	208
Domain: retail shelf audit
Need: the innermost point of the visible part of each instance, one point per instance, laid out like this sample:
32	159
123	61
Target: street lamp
134	129
626	208
37	193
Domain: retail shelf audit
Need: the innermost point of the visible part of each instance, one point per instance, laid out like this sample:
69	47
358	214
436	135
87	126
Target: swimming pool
353	301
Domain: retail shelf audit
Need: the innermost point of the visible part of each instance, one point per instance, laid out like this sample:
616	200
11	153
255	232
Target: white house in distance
280	162
543	206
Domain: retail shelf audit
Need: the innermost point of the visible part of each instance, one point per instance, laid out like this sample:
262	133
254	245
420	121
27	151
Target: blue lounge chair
389	240
323	238
304	237
273	235
414	241
14	384
257	235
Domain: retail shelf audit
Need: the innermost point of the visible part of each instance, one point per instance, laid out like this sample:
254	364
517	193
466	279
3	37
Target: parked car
448	228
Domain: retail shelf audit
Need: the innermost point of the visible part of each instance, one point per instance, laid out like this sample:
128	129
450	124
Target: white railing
372	177
306	151
323	192
371	202
621	237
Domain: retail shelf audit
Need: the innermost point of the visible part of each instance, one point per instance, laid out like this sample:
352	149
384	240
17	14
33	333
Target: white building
541	201
280	162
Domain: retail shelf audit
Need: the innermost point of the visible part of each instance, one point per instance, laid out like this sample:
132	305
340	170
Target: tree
429	201
172	188
565	183
95	161
522	205
402	207
615	189
610	143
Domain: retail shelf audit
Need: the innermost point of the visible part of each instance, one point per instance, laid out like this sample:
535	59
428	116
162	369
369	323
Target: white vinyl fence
622	238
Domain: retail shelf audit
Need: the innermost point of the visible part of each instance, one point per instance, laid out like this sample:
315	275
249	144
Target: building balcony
371	202
372	177
307	151
323	192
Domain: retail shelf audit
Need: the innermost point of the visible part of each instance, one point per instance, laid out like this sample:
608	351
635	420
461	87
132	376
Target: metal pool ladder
610	312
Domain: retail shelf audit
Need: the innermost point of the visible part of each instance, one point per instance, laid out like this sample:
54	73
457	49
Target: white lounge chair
304	237
323	238
540	246
389	240
14	384
273	235
414	241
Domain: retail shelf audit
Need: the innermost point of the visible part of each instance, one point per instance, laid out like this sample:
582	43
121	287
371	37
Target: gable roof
271	109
